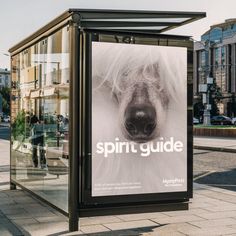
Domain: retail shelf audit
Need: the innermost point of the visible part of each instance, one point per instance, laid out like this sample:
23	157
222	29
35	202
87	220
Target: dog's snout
140	121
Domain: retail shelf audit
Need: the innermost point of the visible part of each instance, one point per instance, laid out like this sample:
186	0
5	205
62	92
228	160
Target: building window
217	57
223	56
203	58
229	65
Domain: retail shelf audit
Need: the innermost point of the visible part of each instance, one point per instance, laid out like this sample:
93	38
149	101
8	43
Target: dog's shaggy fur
127	75
139	75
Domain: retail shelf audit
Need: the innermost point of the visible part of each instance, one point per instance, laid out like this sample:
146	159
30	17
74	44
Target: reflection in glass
40	118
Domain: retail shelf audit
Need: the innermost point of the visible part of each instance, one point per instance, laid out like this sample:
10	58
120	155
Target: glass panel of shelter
40	111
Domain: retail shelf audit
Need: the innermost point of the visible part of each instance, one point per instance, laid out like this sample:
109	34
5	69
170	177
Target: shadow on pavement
126	232
8	228
223	179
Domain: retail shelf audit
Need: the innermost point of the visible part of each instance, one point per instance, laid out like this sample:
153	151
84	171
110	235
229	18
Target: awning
35	94
48	92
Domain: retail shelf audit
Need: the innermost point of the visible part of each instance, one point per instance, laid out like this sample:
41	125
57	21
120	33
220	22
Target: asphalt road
215	168
5	133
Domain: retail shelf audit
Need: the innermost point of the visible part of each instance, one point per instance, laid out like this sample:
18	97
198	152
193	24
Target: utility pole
205	88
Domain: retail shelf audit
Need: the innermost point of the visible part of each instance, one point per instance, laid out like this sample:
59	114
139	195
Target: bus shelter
101	112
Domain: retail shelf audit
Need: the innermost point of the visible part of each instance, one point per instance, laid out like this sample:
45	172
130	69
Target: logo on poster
176	182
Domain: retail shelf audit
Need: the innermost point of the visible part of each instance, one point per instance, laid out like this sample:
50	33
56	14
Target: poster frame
87	200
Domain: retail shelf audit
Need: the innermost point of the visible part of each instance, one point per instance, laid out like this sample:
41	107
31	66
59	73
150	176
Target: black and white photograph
139	116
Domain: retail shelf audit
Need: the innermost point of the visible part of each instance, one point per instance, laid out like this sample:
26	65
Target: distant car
196	121
6	119
221	120
234	121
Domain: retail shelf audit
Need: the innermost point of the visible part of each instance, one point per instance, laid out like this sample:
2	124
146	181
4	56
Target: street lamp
205	88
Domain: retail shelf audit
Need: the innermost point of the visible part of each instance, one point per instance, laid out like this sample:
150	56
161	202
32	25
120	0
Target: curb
218	149
7	126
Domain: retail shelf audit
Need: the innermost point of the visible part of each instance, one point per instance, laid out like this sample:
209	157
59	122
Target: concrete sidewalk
215	143
212	212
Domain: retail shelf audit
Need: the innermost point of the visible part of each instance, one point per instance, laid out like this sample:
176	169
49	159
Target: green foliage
198	110
216	92
214	127
214	107
215	98
18	127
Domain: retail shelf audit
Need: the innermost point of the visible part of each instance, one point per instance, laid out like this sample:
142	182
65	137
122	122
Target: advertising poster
139	119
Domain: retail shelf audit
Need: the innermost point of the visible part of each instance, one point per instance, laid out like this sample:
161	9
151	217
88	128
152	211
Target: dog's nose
140	120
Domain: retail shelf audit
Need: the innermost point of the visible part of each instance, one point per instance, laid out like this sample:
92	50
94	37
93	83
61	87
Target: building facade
215	56
4	78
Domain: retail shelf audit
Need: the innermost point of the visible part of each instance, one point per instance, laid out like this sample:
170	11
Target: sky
20	18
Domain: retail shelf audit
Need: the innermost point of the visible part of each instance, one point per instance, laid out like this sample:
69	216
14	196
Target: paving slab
94	229
194	211
217	215
178	219
43	229
99	220
142	216
211	231
174	227
215	222
131	224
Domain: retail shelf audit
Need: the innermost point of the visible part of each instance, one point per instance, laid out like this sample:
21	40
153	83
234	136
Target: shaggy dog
141	80
139	96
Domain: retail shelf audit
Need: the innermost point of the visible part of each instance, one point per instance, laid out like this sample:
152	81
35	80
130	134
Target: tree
18	127
198	110
215	98
5	92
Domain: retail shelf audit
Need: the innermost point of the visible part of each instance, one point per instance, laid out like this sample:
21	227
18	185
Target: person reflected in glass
37	133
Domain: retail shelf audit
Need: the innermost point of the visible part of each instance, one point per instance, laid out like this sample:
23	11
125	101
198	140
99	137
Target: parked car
221	120
6	119
234	121
196	121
